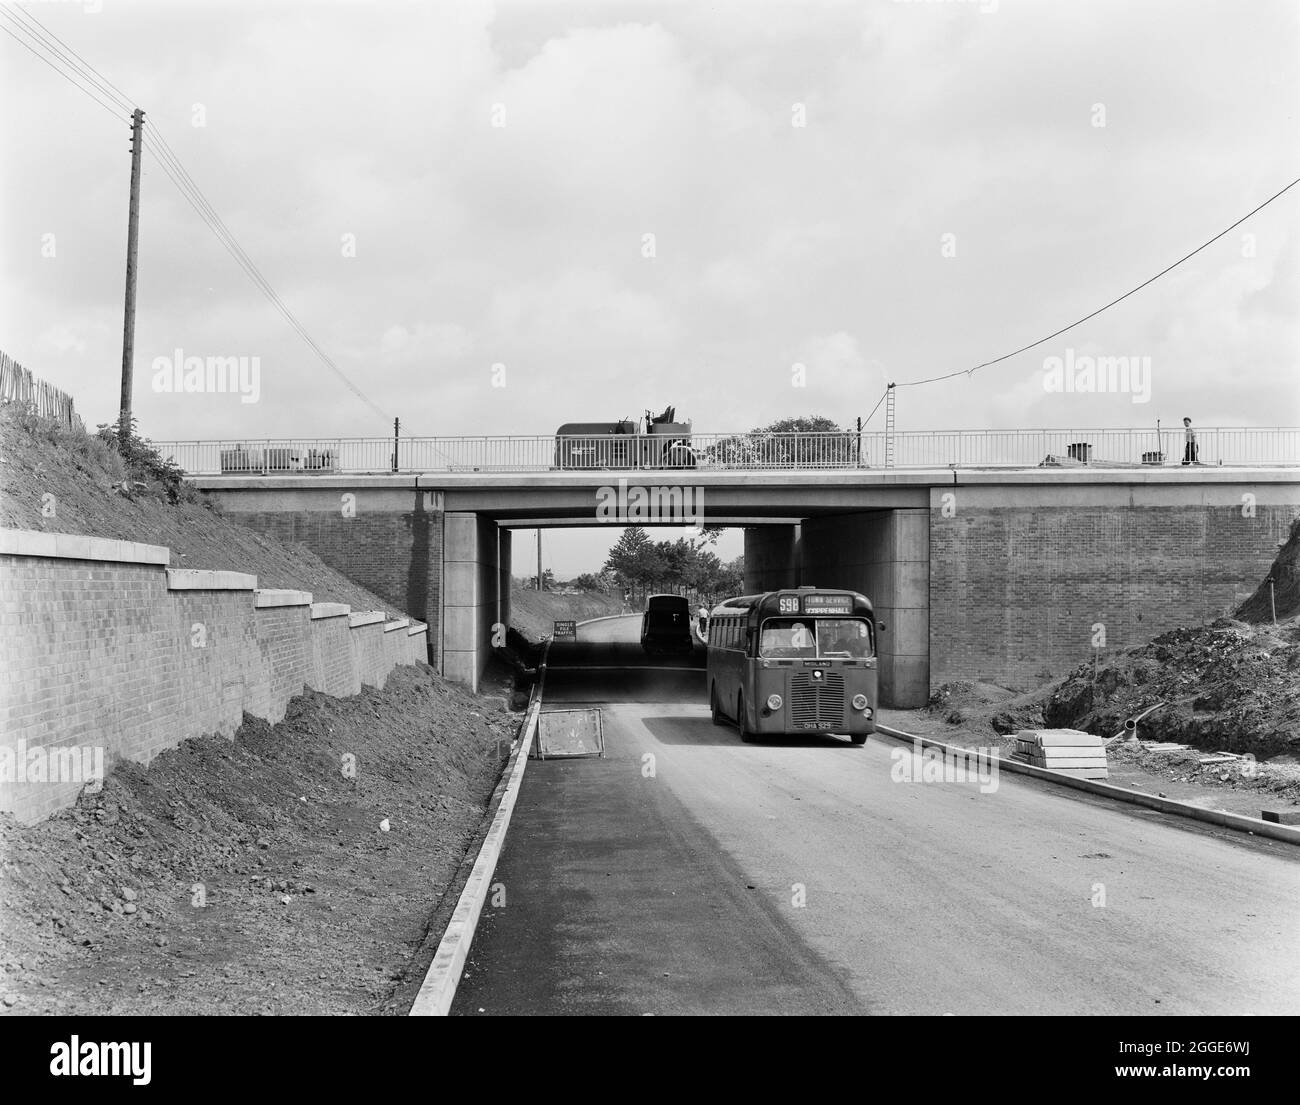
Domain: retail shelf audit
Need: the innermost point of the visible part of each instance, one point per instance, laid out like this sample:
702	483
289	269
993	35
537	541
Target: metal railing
1277	446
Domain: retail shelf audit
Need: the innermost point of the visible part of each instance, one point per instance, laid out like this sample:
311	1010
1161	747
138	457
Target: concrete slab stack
1066	750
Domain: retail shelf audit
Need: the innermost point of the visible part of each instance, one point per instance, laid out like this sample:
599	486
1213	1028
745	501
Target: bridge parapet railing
1236	446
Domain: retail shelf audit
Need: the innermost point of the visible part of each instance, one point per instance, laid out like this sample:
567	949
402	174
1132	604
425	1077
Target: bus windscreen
809	638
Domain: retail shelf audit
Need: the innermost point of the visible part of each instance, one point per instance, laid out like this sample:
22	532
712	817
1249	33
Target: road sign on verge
565	631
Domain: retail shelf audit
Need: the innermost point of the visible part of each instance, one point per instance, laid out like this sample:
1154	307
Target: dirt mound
1227	686
534	613
1285	575
68	481
253	875
987	706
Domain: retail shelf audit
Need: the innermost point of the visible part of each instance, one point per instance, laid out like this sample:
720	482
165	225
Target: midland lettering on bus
795	661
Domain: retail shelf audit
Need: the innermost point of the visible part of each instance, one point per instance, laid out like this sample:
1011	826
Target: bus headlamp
774	702
859	702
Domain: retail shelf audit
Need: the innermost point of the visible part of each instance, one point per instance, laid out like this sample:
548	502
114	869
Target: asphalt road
686	872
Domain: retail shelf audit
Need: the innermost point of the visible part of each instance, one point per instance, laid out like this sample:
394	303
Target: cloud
521	244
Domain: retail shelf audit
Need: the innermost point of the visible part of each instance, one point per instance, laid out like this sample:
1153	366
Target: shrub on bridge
145	464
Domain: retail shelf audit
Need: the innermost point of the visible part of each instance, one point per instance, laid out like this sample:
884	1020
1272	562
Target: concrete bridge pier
771	558
475	594
884	554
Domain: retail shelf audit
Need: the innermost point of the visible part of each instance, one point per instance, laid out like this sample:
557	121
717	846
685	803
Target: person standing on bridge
1189	450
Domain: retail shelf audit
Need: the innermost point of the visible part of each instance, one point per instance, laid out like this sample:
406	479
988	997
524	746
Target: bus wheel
714	711
741	723
858	738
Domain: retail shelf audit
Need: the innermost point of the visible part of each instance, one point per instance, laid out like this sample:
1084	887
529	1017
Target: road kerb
439	987
1222	818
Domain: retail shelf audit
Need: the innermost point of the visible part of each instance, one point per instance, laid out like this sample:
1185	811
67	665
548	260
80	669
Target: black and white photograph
651	508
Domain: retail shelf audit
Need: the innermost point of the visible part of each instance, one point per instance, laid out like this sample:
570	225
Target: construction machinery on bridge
656	441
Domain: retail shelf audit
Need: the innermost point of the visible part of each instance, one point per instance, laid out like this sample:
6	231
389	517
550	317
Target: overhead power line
26	38
1106	307
59	56
64	50
176	172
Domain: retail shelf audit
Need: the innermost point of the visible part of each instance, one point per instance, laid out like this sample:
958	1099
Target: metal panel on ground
570	733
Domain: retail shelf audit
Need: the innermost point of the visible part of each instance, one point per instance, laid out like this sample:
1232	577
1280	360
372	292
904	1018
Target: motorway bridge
996	564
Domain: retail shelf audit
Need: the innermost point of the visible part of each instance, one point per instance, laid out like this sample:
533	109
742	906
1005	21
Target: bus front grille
816	703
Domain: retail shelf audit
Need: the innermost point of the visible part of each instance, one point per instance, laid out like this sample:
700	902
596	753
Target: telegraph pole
128	325
539	558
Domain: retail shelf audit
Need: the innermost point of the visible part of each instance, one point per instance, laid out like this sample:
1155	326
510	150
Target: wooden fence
18	385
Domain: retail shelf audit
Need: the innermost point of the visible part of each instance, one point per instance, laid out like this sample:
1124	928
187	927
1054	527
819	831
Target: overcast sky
496	169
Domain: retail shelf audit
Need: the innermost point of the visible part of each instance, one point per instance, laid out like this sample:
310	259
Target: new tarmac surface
687	872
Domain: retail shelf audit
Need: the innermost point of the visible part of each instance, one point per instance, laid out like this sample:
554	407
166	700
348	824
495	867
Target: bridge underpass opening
607	662
883	554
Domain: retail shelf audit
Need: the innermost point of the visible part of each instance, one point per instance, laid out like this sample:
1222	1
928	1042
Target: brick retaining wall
106	648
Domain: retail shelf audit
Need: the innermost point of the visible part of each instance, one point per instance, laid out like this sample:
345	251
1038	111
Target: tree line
639	566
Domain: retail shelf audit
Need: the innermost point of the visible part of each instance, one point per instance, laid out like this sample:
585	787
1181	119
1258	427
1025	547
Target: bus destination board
827	604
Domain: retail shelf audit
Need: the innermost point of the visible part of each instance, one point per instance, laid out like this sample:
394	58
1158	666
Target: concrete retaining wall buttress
107	653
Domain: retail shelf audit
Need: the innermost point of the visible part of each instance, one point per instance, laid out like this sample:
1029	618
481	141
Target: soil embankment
293	870
534	613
